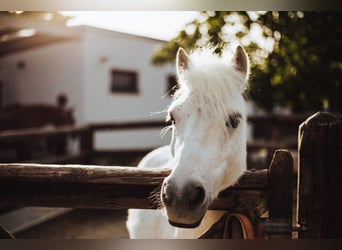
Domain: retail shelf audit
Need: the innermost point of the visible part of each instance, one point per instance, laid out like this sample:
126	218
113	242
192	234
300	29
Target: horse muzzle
186	205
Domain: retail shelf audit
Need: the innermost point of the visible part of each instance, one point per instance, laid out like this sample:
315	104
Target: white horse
207	152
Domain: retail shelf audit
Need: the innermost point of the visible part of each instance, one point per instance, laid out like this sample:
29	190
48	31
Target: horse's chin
183	225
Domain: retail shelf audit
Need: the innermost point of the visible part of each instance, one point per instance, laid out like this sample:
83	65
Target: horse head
208	132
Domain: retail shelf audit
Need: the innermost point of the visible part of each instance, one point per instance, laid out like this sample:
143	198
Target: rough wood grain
86	186
280	198
111	196
319	180
281	185
73	173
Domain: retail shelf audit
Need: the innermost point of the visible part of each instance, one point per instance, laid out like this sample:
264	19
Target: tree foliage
296	56
37	15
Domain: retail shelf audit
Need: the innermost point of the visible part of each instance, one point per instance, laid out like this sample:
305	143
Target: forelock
213	81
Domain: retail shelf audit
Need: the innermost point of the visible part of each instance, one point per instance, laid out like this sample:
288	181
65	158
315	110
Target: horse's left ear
241	60
182	60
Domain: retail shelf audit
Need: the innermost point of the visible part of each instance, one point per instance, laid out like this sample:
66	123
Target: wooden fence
303	206
87	151
86	134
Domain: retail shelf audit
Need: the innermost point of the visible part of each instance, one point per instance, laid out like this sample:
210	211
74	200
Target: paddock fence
268	133
295	201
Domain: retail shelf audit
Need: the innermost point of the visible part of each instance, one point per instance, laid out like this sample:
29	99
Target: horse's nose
196	195
190	196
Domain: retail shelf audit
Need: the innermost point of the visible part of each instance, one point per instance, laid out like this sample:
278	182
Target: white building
106	75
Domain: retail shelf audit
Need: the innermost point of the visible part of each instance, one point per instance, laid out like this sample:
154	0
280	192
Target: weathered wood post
87	143
280	197
319	178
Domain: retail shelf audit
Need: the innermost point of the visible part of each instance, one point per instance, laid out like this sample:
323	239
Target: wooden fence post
87	143
319	179
280	198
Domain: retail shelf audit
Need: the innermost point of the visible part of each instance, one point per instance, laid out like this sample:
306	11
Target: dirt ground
81	224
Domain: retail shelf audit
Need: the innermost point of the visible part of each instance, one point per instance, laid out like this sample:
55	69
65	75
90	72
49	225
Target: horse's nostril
197	197
165	197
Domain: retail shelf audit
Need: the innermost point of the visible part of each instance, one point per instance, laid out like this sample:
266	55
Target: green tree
300	69
37	15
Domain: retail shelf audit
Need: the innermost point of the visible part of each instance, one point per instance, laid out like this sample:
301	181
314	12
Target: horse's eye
171	119
234	120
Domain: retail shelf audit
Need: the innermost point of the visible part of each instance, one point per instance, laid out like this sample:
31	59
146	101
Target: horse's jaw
182	225
187	225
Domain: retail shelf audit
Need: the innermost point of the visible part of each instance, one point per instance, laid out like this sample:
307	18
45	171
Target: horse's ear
241	60
182	60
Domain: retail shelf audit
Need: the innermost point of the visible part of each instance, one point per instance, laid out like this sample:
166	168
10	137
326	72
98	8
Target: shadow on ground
81	224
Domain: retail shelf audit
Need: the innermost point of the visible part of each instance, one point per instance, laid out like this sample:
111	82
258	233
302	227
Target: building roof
100	31
18	34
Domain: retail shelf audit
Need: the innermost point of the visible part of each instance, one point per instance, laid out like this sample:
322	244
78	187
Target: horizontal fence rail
82	186
21	139
38	133
127	125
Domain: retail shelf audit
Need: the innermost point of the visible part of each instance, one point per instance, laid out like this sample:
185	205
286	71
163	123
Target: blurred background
91	88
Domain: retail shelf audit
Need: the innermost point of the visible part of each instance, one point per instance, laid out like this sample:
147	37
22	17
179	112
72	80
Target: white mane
213	81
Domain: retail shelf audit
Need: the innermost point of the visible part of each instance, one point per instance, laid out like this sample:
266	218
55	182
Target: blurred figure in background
60	143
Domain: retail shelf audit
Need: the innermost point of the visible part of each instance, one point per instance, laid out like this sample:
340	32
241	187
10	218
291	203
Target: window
123	81
171	85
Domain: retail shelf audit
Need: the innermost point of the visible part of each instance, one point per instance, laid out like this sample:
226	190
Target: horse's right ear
182	60
241	61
